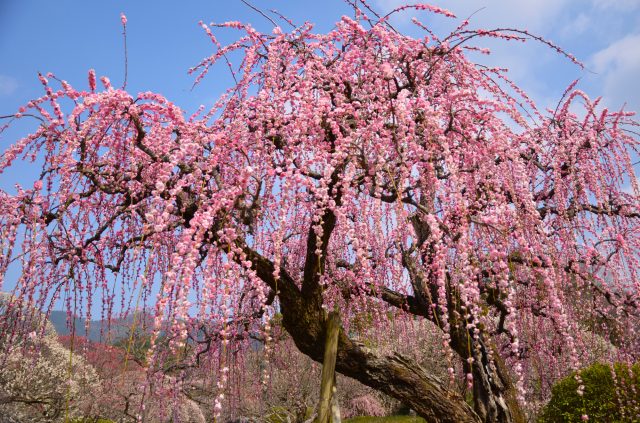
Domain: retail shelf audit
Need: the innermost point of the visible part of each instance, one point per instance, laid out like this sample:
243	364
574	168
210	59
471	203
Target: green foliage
278	415
137	344
604	399
389	419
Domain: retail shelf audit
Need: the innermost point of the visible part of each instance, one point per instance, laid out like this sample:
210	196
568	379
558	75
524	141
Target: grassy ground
390	419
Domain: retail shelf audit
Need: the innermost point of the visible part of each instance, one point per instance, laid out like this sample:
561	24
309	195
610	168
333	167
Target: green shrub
601	401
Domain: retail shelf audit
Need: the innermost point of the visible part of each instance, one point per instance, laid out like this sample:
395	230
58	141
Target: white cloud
622	53
533	15
539	17
619	64
616	4
577	26
8	85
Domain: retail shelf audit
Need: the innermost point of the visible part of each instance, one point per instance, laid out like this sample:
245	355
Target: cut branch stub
328	368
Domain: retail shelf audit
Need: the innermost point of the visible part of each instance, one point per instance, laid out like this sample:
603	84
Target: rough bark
494	395
305	320
392	374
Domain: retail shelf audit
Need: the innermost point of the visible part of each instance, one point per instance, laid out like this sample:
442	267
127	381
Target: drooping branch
392	374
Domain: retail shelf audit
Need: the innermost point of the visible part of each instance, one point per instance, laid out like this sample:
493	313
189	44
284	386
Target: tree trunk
494	396
392	374
305	320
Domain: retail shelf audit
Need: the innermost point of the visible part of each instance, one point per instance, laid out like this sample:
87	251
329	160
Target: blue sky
69	37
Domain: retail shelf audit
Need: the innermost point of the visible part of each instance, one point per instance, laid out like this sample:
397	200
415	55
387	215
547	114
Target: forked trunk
391	374
494	395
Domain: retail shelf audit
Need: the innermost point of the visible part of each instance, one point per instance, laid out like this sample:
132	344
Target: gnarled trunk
305	320
493	393
494	396
392	374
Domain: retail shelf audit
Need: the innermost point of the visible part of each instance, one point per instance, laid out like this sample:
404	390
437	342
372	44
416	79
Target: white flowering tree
40	379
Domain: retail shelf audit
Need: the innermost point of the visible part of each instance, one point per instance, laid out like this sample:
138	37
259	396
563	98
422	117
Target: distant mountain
119	329
99	330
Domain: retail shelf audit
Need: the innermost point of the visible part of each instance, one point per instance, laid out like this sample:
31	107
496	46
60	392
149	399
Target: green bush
601	401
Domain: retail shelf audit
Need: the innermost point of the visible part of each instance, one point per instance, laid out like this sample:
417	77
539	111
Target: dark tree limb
392	374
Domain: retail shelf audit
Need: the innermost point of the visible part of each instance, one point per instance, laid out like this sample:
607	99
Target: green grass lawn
390	419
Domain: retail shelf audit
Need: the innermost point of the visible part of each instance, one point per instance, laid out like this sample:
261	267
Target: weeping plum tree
360	170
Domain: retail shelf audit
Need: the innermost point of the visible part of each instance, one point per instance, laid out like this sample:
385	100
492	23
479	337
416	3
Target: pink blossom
92	79
106	82
387	70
